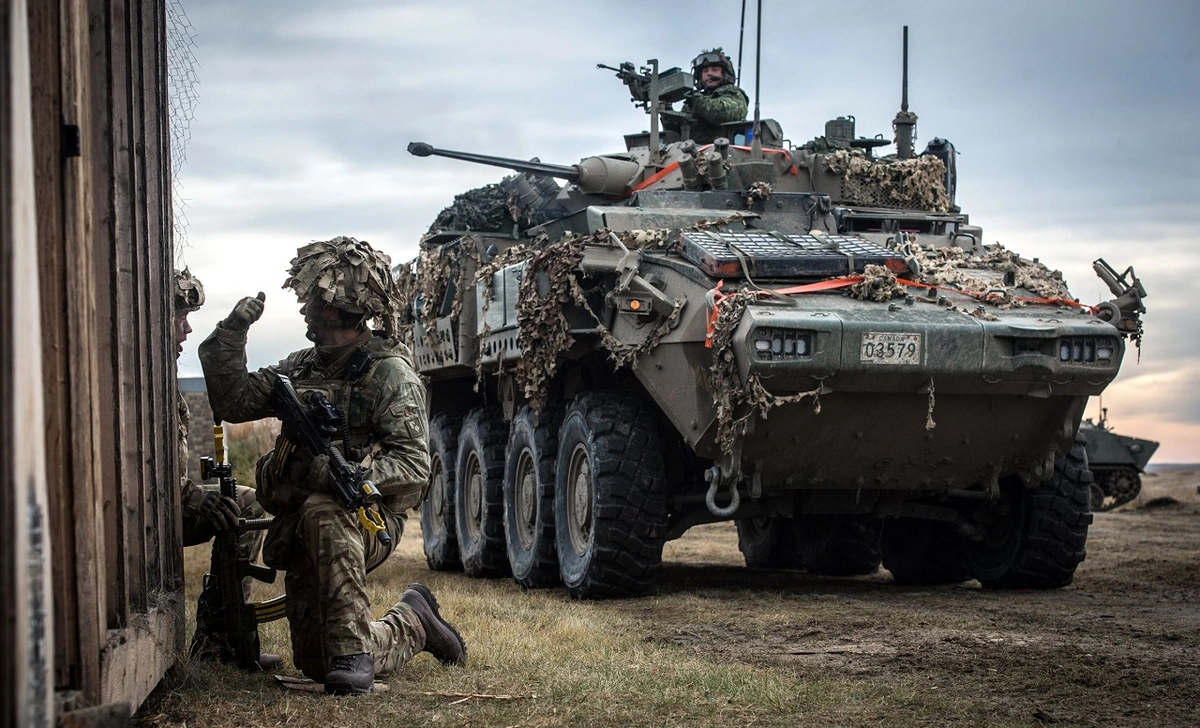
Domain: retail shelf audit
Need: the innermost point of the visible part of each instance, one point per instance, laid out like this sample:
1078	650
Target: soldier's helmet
189	292
347	274
714	57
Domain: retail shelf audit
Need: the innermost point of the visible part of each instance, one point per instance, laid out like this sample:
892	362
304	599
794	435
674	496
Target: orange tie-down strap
717	298
675	165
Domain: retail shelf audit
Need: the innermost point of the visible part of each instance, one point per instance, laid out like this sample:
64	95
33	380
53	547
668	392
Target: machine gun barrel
570	174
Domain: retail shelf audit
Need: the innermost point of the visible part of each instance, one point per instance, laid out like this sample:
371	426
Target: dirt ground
1120	646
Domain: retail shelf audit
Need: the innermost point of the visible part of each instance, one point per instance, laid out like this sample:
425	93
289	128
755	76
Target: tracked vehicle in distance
811	341
1116	461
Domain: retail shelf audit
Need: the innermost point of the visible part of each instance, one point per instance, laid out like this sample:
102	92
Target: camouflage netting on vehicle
491	208
877	284
549	284
997	273
911	184
348	274
484	209
738	403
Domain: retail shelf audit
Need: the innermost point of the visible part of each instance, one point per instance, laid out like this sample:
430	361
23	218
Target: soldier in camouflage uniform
343	284
717	101
205	510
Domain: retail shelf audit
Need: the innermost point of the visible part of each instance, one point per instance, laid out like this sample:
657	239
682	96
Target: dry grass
246	441
721	645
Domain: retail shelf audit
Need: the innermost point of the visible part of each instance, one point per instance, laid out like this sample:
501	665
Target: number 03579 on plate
888	348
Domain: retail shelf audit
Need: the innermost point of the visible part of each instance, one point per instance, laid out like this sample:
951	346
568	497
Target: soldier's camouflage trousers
197	530
328	610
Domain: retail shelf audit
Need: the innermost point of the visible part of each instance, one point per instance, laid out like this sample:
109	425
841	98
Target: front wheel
1040	537
610	497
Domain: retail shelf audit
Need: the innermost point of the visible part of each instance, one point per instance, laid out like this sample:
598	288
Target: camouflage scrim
348	274
913	184
189	292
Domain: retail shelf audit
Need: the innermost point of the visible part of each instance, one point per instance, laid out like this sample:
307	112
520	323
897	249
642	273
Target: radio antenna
741	37
756	145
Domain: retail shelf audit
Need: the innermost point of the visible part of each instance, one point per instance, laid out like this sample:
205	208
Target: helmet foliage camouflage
347	274
189	292
714	57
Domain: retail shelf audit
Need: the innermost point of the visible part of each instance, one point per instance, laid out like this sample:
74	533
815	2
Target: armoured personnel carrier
1116	461
810	340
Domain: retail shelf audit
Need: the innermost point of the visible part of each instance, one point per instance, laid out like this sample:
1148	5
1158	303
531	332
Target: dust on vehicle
811	340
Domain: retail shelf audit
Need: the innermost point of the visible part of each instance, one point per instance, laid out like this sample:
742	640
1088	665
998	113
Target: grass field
720	645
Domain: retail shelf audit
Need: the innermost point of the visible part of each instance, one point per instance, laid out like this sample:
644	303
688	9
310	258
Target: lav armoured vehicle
812	341
1116	461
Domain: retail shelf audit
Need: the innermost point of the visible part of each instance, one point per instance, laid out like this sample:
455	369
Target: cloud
1076	131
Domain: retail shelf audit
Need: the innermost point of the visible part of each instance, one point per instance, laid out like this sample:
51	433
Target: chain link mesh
181	95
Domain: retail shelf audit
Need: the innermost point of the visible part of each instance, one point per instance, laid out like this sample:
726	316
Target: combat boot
351	674
442	640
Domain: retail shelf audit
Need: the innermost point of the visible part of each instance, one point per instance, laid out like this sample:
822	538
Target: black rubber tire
1048	541
479	493
529	495
839	545
769	543
439	534
610	497
923	552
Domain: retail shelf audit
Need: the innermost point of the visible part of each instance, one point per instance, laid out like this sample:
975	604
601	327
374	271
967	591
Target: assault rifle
226	624
312	426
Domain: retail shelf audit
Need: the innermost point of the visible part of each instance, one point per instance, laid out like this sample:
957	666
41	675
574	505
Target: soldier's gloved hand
223	513
247	311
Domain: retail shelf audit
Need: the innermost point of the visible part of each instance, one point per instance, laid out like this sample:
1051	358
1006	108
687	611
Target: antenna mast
741	37
905	123
756	145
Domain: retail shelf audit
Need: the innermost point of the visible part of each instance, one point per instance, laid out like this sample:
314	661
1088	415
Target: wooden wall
95	92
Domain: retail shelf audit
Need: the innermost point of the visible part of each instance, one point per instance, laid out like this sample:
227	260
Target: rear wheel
479	493
769	542
529	496
610	497
1039	537
438	532
839	545
924	552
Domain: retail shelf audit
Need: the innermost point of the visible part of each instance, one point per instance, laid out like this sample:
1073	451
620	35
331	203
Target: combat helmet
189	292
714	57
347	274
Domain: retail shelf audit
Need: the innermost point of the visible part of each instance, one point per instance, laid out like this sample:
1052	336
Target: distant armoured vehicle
1116	461
810	340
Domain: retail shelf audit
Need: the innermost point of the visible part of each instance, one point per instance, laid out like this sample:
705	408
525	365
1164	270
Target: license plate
881	348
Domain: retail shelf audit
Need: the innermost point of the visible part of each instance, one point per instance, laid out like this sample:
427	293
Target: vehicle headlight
772	344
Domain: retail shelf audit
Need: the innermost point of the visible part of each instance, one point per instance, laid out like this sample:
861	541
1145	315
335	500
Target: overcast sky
1077	124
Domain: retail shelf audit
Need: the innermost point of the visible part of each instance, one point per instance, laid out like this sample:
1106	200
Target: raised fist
247	311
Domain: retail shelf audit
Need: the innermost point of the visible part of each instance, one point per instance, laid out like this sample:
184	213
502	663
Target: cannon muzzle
593	176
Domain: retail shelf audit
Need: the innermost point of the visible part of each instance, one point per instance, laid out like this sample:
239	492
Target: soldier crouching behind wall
205	511
342	285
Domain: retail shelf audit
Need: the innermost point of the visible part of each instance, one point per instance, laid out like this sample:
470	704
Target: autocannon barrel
593	176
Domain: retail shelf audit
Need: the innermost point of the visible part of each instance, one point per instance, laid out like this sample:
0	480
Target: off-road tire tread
442	554
629	517
538	568
1054	536
484	427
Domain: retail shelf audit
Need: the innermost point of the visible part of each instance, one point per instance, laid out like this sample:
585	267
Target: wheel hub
579	500
437	495
526	499
474	496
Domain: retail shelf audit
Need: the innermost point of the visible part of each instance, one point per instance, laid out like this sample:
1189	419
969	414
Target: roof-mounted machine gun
655	92
1123	311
